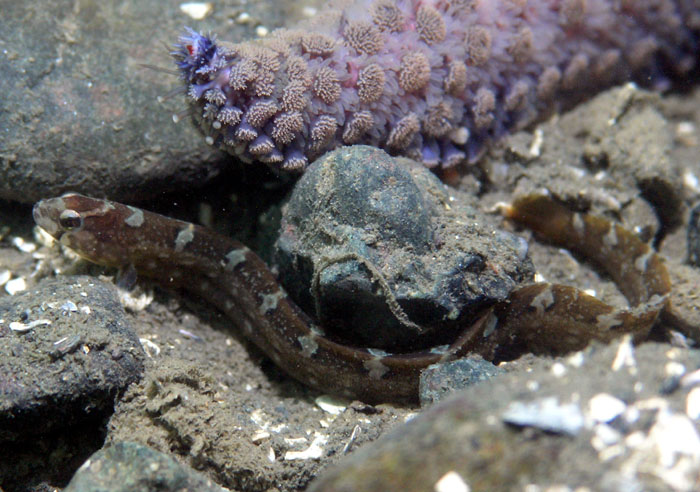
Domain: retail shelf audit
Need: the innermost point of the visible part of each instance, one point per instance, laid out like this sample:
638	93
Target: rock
603	419
693	236
386	255
441	380
66	352
127	466
80	111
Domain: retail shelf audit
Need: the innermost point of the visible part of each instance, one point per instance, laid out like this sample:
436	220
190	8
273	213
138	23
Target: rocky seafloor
194	406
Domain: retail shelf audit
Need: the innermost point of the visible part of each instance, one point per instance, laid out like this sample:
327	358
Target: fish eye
70	220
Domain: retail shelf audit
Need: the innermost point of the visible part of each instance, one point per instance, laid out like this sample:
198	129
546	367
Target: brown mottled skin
538	317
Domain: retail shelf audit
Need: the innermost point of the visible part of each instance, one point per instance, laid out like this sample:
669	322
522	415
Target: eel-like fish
540	317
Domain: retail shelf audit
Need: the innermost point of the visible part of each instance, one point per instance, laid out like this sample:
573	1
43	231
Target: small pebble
674	369
127	466
243	18
693	237
685	134
309	11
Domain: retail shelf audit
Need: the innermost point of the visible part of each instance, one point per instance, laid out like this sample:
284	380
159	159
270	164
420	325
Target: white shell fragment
135	302
691	379
314	451
692	403
603	408
15	285
558	369
625	355
331	405
355	432
244	18
674	435
546	414
674	369
69	306
22	245
260	436
605	437
151	349
22	327
451	482
197	10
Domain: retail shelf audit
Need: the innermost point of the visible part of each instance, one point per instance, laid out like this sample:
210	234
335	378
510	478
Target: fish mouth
45	215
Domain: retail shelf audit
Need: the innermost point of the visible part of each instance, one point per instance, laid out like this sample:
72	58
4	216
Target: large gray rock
79	111
611	418
374	245
67	351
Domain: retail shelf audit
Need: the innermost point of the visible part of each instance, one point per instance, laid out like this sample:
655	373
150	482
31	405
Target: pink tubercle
353	74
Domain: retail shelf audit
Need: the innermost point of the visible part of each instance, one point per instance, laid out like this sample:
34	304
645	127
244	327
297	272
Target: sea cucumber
435	80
